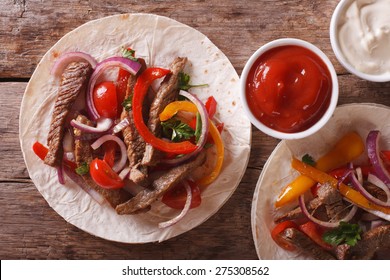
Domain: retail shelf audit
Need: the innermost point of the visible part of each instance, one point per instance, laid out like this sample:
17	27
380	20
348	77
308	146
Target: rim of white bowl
333	34
334	95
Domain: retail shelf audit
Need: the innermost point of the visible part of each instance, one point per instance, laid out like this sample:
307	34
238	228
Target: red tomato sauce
289	88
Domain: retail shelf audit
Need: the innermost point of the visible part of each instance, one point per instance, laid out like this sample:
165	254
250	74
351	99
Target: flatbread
277	171
158	40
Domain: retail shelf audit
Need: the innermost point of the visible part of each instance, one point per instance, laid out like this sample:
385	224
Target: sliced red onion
121	125
345	176
335	224
377	182
81	183
103	124
69	57
119	165
124	173
377	223
60	174
129	65
374	156
187	206
359	174
67	143
205	130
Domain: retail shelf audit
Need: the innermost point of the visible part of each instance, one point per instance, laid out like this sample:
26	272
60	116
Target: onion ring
185	210
69	57
120	126
118	166
347	217
374	156
103	124
129	65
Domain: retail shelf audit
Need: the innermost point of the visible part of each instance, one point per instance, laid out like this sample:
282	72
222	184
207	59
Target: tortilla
277	171
158	40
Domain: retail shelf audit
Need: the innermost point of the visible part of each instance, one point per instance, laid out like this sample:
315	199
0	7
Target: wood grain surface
31	229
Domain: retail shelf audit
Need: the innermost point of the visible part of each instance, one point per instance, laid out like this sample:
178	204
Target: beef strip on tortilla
73	81
167	93
373	243
328	205
134	142
305	244
83	154
172	177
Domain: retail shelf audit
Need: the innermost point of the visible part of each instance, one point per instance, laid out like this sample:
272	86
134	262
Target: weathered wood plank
237	27
12	163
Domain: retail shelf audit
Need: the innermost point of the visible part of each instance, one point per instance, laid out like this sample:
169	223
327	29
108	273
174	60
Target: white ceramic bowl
333	100
334	40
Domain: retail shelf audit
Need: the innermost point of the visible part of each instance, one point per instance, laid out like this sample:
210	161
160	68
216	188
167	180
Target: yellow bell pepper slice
173	108
347	149
322	178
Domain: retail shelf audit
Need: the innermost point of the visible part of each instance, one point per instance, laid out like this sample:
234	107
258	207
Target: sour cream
364	35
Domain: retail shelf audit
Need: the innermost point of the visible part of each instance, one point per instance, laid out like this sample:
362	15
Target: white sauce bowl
339	18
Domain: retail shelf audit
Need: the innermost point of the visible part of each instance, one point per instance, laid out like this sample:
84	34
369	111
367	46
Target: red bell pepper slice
278	229
41	151
140	91
211	106
315	233
176	197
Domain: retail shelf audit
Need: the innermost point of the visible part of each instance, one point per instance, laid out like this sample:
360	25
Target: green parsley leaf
184	82
344	233
176	130
128	103
83	169
129	53
308	159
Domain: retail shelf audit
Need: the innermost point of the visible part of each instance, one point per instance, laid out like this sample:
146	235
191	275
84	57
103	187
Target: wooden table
30	229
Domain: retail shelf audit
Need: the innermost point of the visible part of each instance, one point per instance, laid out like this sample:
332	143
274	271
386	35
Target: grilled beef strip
327	205
167	93
374	242
376	192
305	244
333	201
296	213
134	142
73	81
83	154
172	177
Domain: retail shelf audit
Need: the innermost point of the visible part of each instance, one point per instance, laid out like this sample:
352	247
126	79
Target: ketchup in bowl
288	88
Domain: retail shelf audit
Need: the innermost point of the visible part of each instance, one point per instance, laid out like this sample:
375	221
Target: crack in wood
15	180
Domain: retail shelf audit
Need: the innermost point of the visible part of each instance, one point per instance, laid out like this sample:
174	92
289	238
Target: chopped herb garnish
128	103
344	233
308	159
129	53
177	130
83	169
184	82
